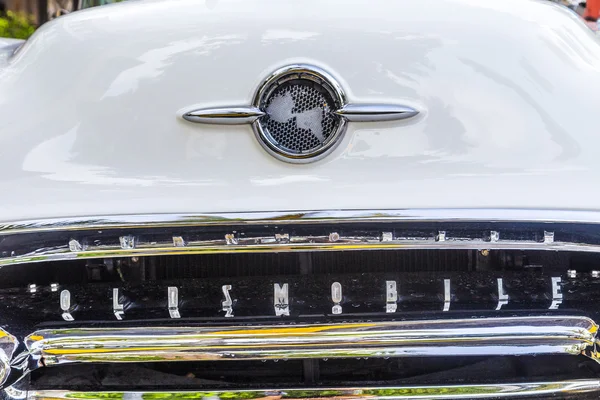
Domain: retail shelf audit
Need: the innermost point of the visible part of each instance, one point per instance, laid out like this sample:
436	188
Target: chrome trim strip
439	338
533	390
375	112
224	115
135	221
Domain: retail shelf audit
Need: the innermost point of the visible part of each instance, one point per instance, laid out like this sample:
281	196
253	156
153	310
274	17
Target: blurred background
20	18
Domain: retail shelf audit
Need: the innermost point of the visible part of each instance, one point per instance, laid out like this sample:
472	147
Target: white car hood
508	93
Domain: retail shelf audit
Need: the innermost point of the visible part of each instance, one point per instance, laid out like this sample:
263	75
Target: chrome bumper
536	390
467	337
447	338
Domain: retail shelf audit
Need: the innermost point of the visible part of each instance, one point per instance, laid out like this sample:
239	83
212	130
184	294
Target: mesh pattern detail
299	116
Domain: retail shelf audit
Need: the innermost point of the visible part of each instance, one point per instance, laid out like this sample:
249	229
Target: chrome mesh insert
300	116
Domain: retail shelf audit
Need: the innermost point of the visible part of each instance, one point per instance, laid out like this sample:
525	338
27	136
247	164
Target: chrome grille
422	309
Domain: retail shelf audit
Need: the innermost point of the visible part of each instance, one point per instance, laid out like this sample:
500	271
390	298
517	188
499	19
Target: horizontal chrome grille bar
123	236
132	236
535	390
165	249
466	337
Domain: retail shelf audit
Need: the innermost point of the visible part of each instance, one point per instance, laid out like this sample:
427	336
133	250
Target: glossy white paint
4	42
508	92
7	48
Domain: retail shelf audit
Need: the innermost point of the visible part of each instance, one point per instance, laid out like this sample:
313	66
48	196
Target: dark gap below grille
297	373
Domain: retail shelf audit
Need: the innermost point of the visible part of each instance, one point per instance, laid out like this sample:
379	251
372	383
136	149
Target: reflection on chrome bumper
446	338
467	337
439	338
493	391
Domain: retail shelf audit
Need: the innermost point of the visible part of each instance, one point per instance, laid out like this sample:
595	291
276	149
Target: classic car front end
274	199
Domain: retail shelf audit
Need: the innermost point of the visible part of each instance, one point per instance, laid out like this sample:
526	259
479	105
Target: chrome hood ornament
299	114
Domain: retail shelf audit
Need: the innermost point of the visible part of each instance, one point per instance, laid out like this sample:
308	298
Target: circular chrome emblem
300	123
299	114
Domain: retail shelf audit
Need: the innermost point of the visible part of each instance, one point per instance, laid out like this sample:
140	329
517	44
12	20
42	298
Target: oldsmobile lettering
502	297
118	308
65	305
173	299
281	298
227	303
281	301
336	297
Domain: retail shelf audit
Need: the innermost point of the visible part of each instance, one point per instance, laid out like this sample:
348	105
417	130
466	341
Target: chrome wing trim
360	112
225	115
375	112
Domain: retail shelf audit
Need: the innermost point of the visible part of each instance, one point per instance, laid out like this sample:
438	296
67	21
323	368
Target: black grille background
242	265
